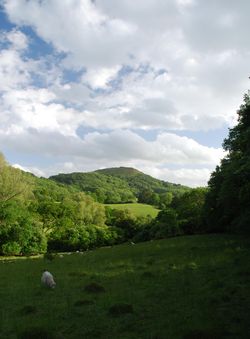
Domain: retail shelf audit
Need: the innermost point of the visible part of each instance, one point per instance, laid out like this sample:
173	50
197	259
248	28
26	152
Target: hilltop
120	185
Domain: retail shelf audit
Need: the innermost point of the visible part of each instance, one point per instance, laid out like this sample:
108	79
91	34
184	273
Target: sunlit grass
137	209
185	287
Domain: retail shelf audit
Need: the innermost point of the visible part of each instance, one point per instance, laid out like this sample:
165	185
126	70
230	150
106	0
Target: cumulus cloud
13	70
167	65
30	169
35	109
100	77
185	176
118	145
15	38
78	28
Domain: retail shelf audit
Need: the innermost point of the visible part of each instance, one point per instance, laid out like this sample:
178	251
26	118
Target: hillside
120	185
104	188
179	288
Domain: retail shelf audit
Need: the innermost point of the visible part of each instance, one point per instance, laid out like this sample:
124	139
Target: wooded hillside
122	185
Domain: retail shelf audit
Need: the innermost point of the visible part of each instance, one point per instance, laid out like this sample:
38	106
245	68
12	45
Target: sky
149	84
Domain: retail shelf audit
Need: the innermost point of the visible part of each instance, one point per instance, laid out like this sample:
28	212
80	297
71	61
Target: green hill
120	185
139	181
180	288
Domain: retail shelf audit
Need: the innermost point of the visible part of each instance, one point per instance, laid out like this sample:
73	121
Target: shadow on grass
36	333
205	334
84	302
28	309
118	310
94	288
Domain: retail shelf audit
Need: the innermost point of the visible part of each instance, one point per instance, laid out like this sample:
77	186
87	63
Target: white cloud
13	70
165	65
119	145
75	27
36	109
185	176
99	78
31	169
17	39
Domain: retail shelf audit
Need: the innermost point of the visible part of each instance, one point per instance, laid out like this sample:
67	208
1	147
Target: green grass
185	287
137	209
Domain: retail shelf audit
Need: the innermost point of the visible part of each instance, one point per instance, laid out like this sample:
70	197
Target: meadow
137	209
184	287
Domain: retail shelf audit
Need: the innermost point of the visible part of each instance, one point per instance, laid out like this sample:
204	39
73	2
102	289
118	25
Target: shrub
165	225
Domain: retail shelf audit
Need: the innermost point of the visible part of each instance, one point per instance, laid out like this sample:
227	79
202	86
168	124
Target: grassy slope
137	209
186	287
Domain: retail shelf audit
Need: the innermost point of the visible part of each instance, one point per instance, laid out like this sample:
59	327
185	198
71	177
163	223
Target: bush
20	232
165	225
82	237
11	248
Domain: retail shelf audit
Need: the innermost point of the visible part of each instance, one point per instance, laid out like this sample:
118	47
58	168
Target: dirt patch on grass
118	310
94	288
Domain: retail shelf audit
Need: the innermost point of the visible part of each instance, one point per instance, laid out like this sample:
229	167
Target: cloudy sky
150	84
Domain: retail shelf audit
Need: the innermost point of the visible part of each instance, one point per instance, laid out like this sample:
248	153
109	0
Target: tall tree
228	201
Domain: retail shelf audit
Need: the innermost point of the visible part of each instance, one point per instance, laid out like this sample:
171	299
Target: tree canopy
227	206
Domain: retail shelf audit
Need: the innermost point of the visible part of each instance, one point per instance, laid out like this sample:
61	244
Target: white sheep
47	279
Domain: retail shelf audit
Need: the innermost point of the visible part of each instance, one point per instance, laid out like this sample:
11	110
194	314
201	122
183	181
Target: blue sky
151	84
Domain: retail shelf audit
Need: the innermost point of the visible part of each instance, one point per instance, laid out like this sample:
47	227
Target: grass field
137	209
184	287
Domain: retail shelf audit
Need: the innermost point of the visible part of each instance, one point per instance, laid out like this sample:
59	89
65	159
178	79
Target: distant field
180	288
137	209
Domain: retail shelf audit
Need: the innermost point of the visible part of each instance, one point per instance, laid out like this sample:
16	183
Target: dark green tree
227	206
165	225
189	208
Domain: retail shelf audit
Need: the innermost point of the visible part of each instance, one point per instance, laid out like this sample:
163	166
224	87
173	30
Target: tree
20	231
13	183
165	225
165	199
227	206
189	208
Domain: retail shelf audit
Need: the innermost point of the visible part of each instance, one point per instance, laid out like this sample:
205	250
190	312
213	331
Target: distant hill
120	185
138	181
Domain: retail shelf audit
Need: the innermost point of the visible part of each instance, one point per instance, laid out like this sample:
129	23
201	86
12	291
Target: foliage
60	215
126	221
81	237
189	208
142	183
165	225
122	185
228	201
13	183
20	232
182	215
104	188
